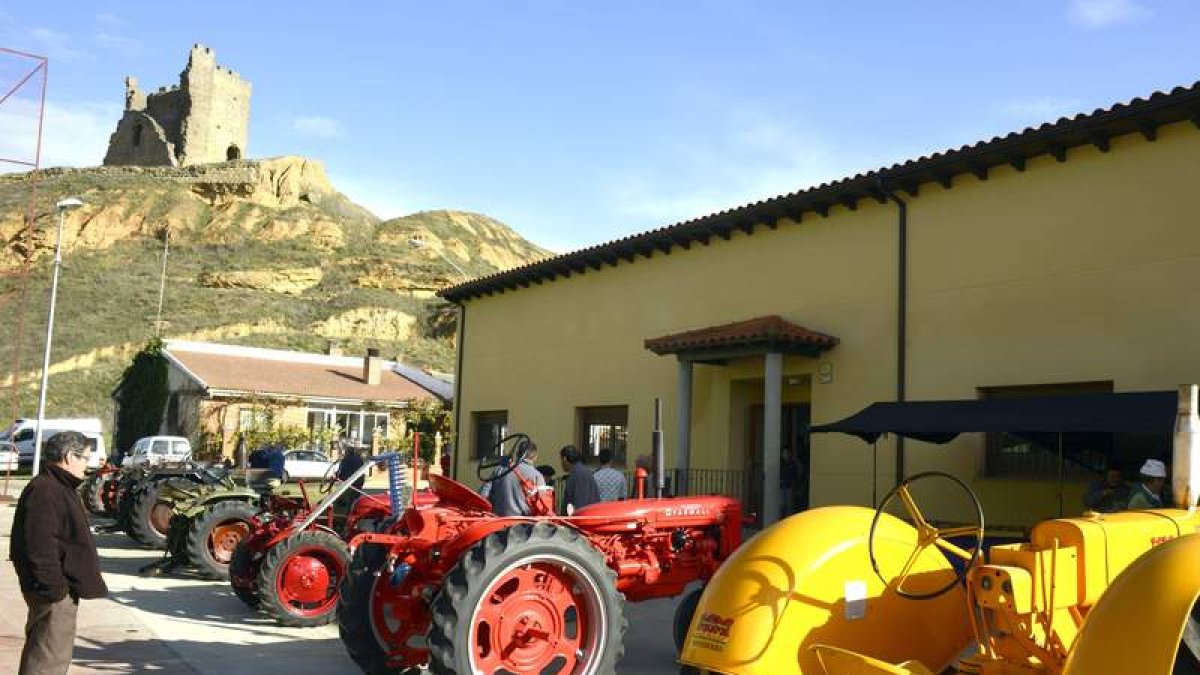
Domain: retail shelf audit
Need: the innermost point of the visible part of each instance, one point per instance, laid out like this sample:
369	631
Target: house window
254	419
374	423
1012	455
603	428
356	427
490	427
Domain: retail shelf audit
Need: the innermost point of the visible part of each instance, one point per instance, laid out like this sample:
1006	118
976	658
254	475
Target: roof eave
1142	116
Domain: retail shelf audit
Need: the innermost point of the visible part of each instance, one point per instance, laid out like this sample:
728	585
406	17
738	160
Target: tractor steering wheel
928	535
329	479
506	461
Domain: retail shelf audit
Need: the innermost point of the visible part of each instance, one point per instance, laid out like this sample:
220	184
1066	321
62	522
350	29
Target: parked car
23	434
9	456
157	450
306	464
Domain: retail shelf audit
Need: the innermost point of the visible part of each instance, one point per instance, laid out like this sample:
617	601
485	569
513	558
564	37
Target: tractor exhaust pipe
656	447
1185	473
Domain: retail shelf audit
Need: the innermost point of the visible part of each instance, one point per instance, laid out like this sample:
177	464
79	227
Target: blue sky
580	122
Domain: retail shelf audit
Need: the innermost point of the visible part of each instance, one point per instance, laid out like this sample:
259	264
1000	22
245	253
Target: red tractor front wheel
243	574
530	598
298	578
375	621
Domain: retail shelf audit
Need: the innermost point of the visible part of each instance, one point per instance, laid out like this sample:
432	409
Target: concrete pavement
182	625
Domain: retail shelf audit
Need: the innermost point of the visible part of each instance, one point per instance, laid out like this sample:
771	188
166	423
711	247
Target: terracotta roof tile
1056	138
310	380
761	331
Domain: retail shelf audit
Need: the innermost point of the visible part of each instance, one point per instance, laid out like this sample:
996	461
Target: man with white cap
1148	494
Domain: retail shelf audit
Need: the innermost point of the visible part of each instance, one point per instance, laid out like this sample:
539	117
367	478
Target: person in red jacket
55	556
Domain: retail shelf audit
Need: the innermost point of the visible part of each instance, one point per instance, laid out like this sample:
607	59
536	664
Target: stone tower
203	119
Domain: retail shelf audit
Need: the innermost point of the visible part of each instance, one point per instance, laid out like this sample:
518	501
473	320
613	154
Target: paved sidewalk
178	625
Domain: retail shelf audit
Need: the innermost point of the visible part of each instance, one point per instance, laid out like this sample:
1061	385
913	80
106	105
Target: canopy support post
1060	474
875	474
772	428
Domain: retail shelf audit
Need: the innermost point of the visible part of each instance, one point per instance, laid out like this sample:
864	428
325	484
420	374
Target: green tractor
208	522
143	500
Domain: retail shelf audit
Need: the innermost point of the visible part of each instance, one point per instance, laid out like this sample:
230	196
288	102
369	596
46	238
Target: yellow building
1058	259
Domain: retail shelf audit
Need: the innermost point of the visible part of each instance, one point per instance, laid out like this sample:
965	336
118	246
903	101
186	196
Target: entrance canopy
941	421
757	336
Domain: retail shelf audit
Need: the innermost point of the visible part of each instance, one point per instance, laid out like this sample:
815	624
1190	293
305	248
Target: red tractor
455	587
290	565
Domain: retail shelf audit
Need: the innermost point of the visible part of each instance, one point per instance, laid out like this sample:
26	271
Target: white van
158	449
22	433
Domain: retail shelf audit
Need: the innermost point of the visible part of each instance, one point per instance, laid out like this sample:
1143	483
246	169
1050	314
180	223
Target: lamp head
69	203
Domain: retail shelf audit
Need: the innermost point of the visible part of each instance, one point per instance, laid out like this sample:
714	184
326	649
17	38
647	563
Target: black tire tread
354	611
202	525
684	611
272	564
142	503
471	572
242	564
89	491
1187	659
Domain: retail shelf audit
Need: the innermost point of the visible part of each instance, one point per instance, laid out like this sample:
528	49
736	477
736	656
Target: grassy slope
108	297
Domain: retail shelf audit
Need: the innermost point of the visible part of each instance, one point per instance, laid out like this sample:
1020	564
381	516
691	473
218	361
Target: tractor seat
262	481
838	661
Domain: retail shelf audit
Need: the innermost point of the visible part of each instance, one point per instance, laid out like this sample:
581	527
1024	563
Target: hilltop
265	253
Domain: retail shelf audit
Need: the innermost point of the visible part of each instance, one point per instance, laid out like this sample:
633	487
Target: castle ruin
203	119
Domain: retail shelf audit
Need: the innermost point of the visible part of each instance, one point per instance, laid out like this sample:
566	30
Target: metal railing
679	483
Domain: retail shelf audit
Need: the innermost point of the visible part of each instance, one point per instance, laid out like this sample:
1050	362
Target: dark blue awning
1150	412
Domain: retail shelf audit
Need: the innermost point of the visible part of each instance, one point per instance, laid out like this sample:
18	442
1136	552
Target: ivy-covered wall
141	397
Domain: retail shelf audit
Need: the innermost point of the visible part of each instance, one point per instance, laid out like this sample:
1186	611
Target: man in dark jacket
276	462
55	555
351	461
581	489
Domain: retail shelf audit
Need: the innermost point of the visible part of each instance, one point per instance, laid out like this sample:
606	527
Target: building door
794	449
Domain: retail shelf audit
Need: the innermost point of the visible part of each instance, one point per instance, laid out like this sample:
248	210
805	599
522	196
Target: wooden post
416	458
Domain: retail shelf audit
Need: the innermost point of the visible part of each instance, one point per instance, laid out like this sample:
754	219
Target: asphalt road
182	625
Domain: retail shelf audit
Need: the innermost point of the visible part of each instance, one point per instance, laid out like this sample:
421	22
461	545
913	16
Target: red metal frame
37	65
655	546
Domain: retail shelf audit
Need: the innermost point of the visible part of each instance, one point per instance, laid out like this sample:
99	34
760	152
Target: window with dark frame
603	428
1016	456
490	426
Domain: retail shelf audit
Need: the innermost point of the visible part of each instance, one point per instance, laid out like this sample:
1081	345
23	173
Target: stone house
217	391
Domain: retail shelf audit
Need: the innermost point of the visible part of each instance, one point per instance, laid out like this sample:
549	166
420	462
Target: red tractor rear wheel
298	578
530	598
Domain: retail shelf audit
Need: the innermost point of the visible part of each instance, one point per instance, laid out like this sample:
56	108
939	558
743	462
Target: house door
794	452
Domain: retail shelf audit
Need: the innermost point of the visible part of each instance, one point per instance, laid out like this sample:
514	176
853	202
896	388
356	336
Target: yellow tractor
847	590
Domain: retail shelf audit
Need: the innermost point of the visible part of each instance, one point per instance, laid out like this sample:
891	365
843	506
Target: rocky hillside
264	253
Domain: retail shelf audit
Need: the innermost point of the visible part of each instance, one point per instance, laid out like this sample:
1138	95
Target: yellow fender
807	581
1137	624
837	661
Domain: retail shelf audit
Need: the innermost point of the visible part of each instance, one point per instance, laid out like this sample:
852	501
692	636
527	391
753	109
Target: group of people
1112	493
582	487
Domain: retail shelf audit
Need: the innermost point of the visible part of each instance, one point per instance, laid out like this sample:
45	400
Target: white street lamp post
63	206
417	243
